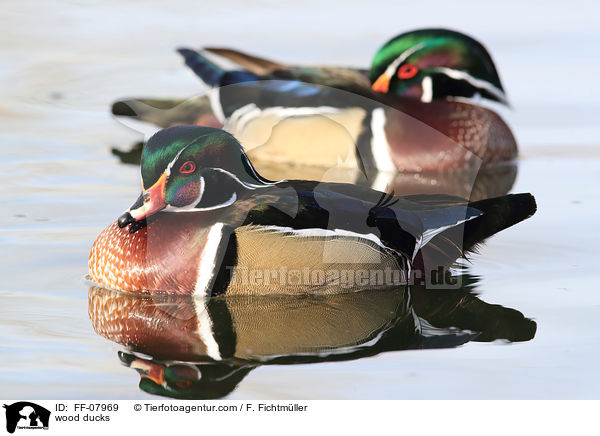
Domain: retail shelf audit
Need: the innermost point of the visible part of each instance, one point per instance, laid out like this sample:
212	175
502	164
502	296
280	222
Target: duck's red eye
407	71
187	167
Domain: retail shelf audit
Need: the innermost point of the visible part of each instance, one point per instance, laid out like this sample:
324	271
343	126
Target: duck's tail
496	214
212	74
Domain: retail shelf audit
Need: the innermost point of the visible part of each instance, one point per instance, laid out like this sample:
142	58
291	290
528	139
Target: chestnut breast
163	257
447	135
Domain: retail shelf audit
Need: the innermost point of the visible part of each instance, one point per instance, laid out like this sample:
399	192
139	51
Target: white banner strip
154	417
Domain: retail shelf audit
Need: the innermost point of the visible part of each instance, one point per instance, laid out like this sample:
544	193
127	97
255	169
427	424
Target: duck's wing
323	75
451	227
347	78
430	230
297	97
302	209
255	68
331	209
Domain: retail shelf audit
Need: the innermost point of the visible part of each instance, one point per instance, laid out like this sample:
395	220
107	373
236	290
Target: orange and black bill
148	203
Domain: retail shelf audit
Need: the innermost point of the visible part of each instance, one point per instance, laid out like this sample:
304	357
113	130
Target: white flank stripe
204	331
206	266
316	232
245	114
240	117
285	112
379	145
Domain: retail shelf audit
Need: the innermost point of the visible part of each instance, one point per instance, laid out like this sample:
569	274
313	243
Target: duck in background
206	215
424	64
409	112
203	348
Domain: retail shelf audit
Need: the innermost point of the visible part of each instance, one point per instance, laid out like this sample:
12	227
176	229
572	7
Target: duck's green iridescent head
433	64
191	168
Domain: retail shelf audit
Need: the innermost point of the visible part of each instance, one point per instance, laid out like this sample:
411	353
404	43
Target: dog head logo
26	415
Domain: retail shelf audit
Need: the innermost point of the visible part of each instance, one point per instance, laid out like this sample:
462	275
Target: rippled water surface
62	67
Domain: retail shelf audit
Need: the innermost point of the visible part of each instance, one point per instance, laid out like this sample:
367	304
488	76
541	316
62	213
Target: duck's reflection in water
186	347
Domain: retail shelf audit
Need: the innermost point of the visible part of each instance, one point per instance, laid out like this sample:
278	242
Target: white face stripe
244	184
204	331
380	148
168	169
192	206
208	259
391	69
477	83
255	174
450	72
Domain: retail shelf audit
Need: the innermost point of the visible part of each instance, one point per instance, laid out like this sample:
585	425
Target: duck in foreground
420	77
208	224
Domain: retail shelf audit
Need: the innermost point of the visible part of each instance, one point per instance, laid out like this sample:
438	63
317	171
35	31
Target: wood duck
417	79
205	218
425	64
202	348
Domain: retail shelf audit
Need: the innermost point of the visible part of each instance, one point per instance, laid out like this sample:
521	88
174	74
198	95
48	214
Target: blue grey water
63	64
